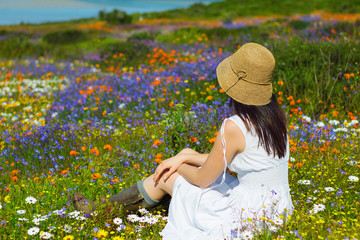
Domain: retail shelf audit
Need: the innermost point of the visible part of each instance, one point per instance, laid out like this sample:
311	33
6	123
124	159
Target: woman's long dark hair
269	122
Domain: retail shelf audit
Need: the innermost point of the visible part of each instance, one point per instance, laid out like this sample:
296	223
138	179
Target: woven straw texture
246	75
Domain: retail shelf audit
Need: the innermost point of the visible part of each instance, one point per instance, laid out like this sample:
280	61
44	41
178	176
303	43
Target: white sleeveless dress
232	205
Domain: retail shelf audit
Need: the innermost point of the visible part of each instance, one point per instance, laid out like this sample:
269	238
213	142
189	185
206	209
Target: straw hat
246	75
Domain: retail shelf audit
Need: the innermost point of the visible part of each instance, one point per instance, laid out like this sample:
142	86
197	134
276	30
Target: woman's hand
167	167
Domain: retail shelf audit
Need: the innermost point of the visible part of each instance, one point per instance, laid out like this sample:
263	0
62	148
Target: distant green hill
230	9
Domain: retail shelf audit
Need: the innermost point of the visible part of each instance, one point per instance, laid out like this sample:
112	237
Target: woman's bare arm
187	162
193	157
214	164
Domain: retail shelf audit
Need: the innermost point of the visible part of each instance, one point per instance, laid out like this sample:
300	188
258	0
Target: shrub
133	53
20	46
65	37
143	36
298	24
115	17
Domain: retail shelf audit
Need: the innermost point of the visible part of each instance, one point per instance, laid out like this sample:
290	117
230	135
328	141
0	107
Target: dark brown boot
81	203
132	199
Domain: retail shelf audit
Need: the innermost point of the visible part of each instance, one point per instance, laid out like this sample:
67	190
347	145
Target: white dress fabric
232	205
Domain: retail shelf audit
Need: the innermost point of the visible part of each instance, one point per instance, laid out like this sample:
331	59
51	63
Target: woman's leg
159	190
145	193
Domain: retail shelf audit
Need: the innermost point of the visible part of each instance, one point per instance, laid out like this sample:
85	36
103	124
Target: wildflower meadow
98	114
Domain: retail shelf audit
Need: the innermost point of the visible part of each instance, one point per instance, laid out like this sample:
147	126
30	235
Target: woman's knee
187	151
168	184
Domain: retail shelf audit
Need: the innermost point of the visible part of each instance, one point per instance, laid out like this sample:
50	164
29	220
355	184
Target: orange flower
293	149
14	172
35	179
292	103
136	165
212	140
159	156
157	143
108	147
299	164
209	98
335	113
73	152
221	90
305	147
64	172
14	178
115	180
158	160
95	175
83	148
95	151
323	149
193	139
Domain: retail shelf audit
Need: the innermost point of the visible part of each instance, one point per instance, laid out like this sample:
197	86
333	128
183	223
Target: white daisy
59	212
306	118
20	212
143	211
94	213
152	220
67	228
329	189
46	235
121	227
117	221
273	228
74	214
81	218
317	208
133	217
1	206
30	200
320	124
304	182
36	221
33	231
278	221
23	219
334	122
247	234
353	179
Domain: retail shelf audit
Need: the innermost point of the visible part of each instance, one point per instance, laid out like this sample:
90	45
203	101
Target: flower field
98	123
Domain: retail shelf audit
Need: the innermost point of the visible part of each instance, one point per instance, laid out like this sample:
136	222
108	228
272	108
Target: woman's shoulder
238	123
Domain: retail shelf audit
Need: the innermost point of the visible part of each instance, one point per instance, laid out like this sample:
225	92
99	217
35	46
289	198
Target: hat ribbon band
241	78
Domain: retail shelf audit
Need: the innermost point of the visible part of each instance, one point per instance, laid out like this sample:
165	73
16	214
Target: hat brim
243	91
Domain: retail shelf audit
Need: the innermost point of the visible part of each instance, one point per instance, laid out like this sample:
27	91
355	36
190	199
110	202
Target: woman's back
254	157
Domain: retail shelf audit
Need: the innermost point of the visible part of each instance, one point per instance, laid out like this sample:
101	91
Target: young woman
207	202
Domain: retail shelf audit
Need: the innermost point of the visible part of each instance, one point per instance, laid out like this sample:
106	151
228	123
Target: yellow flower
117	238
101	233
68	237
